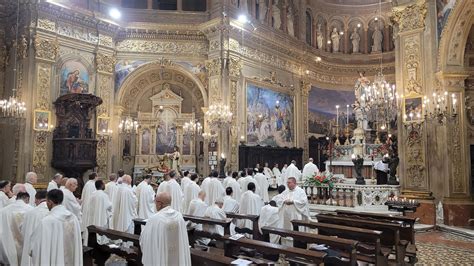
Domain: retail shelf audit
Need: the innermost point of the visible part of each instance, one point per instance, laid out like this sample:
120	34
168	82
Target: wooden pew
200	257
302	239
138	222
371	251
390	232
252	231
101	253
309	256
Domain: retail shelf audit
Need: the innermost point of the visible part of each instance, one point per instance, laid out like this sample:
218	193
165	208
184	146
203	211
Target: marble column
346	41
386	39
366	41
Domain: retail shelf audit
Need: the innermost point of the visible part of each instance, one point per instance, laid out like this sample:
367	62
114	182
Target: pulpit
74	143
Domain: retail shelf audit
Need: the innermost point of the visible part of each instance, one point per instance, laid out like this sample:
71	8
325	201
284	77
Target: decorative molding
43	84
40	152
64	51
415	156
410	17
105	63
46	49
160	47
214	67
455	156
46	24
101	156
104	92
234	149
235	67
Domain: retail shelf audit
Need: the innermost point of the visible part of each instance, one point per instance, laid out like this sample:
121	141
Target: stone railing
361	197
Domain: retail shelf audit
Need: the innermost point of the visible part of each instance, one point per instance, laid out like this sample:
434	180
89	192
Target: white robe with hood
30	224
97	212
297	211
146	200
262	183
172	187
124	209
269	216
250	203
191	192
309	170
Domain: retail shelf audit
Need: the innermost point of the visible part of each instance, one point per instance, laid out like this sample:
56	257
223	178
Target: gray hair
18	187
29	176
57	175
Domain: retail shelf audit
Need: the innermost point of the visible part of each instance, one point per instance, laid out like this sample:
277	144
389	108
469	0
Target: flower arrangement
321	179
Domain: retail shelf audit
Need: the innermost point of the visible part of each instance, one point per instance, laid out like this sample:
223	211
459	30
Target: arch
454	37
149	73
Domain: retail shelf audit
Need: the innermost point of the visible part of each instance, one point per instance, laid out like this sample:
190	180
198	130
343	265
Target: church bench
309	256
253	218
371	251
390	232
201	257
138	222
302	239
101	253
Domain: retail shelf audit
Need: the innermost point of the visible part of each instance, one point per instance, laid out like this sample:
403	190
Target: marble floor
443	248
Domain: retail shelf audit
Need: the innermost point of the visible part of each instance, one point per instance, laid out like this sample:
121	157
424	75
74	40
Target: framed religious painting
103	123
270	115
42	120
413	108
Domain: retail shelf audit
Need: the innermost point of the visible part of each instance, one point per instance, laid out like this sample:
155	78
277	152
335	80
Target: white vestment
243	182
230	205
30	224
214	191
97	212
250	203
11	238
269	216
263	184
110	189
191	192
3	200
164	240
214	212
146	200
57	239
124	209
172	187
309	170
270	176
52	185
87	191
72	205
184	182
32	192
236	190
197	207
297	211
226	180
278	175
292	171
205	183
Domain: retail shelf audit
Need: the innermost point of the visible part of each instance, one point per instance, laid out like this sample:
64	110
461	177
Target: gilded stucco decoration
169	47
104	92
106	40
40	152
412	55
105	63
410	17
305	89
455	156
415	162
46	49
214	67
43	84
102	157
235	66
234	149
77	32
46	24
66	51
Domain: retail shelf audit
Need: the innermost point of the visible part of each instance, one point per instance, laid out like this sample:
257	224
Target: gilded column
305	89
235	67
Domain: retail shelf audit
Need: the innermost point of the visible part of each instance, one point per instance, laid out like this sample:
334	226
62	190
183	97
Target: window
309	28
165	4
194	5
140	4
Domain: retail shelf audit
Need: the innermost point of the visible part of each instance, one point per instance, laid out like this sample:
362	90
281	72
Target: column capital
410	17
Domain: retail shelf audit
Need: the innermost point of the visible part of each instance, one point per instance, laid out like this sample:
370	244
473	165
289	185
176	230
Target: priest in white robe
309	170
270	176
30	224
57	239
251	203
164	239
292	171
269	216
111	187
89	188
293	204
197	207
11	238
31	179
190	192
174	189
213	188
244	181
234	184
215	211
226	179
55	182
186	180
5	189
70	201
278	175
230	204
97	211
262	183
124	207
146	198
17	188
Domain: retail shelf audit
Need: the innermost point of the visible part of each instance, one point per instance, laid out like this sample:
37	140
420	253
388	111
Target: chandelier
218	115
382	102
192	128
13	107
212	137
128	126
440	107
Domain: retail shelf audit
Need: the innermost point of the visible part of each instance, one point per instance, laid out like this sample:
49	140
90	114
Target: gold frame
413	97
36	111
99	132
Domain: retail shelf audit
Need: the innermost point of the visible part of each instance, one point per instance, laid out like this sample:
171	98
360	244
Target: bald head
17	188
126	179
310	160
202	195
71	184
162	200
64	181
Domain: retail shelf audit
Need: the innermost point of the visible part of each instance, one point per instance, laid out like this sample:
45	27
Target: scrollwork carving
46	24
455	156
43	83
102	157
40	146
415	163
170	47
214	67
411	17
305	88
46	49
235	66
105	63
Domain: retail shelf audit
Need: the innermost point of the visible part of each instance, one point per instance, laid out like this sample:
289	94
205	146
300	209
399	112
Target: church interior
218	132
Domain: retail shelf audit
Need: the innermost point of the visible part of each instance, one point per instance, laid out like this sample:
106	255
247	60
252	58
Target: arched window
140	4
309	28
194	5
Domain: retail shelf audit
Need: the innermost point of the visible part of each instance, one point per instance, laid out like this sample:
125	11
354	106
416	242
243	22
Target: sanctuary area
236	132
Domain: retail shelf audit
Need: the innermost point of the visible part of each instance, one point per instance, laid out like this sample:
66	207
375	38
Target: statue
355	37
174	157
335	37
262	10
358	164
276	15
289	22
319	37
394	160
377	37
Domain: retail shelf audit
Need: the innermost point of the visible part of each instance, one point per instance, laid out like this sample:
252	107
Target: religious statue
355	37
394	160
319	37
335	37
377	37
358	164
276	15
289	21
22	49
262	10
174	157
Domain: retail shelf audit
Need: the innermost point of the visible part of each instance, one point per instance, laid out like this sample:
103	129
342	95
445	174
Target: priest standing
164	239
31	179
89	188
236	190
262	183
69	201
146	198
30	223
124	207
57	239
11	238
185	180
293	204
230	204
174	189
54	184
5	189
269	217
190	192
244	181
277	174
213	188
111	187
97	211
309	170
251	203
292	171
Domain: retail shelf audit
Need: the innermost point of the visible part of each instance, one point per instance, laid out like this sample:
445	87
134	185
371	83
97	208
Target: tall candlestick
337	116
347	115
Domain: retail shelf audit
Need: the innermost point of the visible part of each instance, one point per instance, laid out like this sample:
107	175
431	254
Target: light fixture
376	19
243	19
318	59
358	25
192	128
307	72
13	107
115	13
341	32
128	126
218	115
329	42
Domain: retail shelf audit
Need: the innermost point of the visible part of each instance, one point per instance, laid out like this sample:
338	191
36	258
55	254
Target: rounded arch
454	37
153	72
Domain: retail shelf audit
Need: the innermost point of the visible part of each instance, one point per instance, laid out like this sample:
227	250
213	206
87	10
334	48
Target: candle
347	120
353	156
337	116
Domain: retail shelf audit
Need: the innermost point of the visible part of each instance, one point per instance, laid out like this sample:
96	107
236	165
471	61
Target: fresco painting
74	78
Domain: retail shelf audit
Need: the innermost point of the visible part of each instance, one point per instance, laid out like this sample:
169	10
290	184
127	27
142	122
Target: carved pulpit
74	143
